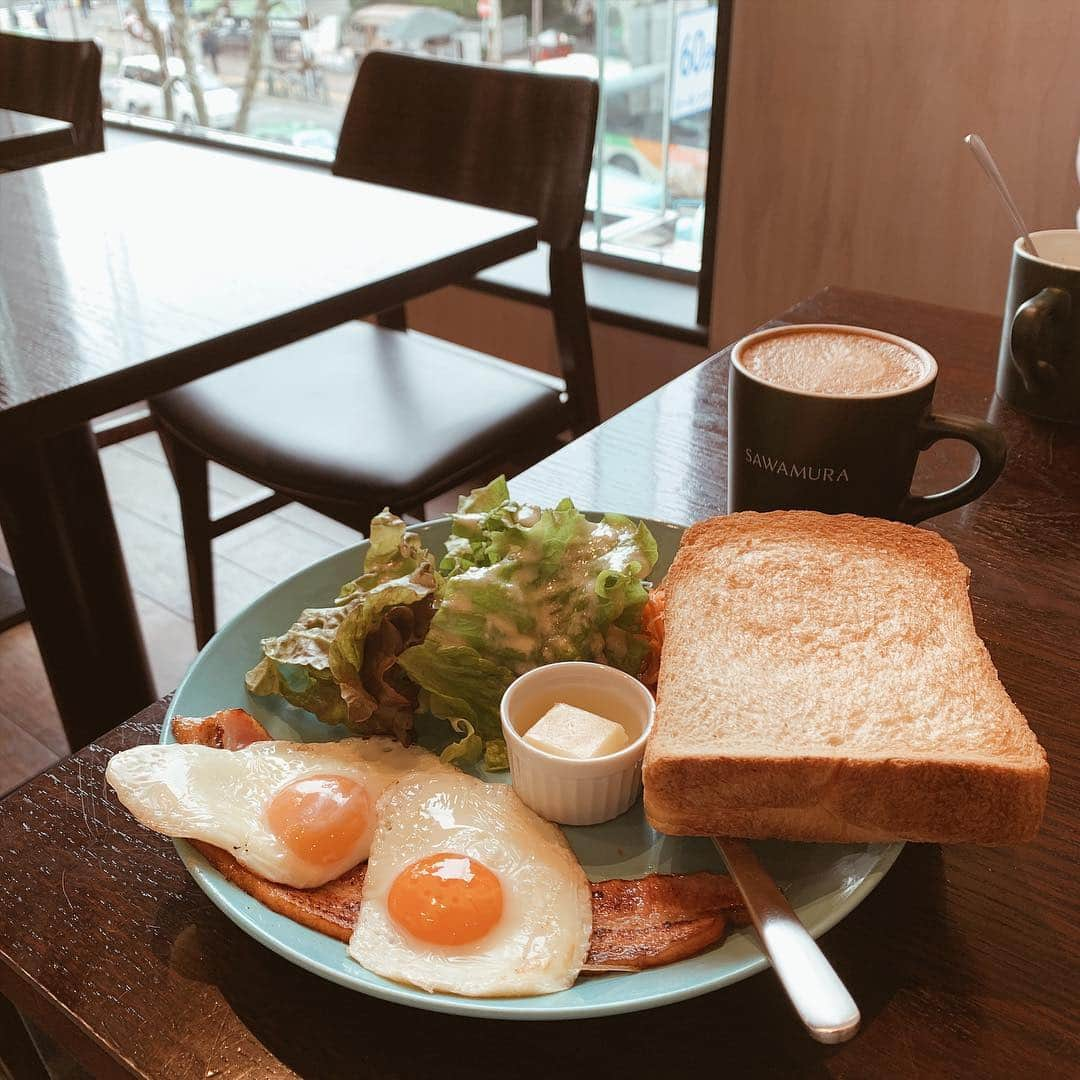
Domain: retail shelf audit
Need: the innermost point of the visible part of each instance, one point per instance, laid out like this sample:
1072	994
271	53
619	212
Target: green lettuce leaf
524	587
468	749
304	686
340	662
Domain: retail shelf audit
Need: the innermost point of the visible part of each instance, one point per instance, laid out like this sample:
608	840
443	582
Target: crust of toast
710	776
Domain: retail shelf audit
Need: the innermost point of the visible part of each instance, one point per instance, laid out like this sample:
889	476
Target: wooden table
964	960
128	273
27	140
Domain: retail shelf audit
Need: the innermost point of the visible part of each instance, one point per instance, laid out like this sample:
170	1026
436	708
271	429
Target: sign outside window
695	52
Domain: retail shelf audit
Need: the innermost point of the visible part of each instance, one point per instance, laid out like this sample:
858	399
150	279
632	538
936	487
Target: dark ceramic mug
1039	359
800	450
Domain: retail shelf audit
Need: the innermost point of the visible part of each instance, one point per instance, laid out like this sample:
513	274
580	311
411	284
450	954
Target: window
655	64
281	71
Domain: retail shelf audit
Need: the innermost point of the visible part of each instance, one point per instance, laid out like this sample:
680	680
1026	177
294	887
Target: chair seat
361	413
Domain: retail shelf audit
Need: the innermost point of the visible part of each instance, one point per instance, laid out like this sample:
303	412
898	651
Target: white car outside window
140	89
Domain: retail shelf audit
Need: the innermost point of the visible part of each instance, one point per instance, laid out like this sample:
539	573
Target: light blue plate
823	881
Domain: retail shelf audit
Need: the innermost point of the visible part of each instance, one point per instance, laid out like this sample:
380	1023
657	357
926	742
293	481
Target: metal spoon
820	998
986	160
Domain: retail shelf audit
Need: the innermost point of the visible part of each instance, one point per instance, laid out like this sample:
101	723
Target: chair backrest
59	79
497	137
511	140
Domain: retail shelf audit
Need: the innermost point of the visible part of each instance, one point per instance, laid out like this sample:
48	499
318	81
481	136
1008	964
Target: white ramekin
575	791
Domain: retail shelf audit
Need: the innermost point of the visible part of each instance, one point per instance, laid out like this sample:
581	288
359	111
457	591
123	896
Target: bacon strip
230	729
331	909
637	924
659	919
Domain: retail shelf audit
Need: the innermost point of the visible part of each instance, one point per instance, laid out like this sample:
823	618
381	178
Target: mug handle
992	450
1034	340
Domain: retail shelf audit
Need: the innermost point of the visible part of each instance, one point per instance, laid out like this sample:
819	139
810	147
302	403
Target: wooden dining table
964	960
127	273
27	140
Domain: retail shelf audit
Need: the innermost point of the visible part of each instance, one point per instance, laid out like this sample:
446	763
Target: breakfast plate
824	882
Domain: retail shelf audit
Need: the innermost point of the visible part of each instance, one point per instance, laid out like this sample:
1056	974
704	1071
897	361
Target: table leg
54	510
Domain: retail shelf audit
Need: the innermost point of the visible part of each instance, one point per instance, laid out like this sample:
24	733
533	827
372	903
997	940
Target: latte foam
833	362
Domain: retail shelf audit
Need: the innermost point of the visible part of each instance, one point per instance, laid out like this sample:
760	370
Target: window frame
721	65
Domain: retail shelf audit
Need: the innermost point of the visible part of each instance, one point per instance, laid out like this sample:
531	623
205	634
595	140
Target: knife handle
819	997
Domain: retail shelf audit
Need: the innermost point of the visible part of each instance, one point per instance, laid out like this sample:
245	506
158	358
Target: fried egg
469	892
296	813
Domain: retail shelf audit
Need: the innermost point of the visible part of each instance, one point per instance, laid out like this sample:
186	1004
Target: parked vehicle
409	27
641	155
140	87
235	34
550	44
634	119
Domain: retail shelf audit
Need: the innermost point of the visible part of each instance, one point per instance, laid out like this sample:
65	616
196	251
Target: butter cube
569	732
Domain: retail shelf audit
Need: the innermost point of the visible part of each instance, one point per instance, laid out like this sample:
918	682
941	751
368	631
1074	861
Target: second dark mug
845	453
1039	361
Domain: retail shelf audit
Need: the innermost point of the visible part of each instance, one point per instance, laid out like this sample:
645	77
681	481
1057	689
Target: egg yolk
320	818
446	899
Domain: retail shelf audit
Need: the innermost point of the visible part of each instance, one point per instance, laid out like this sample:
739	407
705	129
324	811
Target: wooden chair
58	79
366	415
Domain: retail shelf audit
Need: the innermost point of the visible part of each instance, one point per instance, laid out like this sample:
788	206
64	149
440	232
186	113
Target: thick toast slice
821	679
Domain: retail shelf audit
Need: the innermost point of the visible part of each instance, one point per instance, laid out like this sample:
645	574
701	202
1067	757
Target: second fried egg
469	892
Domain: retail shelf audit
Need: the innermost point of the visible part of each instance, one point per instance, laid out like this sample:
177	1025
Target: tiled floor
246	562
